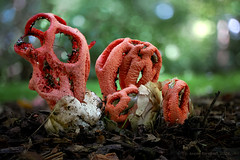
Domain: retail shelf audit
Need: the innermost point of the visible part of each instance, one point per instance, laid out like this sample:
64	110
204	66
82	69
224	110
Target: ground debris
94	156
212	132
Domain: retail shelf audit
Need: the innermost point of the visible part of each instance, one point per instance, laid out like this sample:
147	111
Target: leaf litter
212	132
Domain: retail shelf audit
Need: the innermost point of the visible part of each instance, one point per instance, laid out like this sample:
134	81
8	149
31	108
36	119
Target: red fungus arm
91	44
129	58
51	78
118	102
143	58
107	66
175	101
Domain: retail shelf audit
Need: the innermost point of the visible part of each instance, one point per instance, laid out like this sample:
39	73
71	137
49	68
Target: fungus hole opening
124	54
117	84
41	24
63	48
181	97
71	84
140	54
32	40
58	79
114	103
139	76
131	103
154	58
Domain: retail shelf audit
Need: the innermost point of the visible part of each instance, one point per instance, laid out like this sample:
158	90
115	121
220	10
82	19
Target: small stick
43	122
209	109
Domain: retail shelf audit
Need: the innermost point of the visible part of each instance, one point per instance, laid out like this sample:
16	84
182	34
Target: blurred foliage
186	32
200	85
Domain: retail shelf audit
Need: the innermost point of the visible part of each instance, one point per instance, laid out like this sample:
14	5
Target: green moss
16	90
199	84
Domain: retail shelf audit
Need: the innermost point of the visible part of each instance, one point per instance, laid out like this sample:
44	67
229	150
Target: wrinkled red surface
175	107
131	61
121	99
51	78
129	58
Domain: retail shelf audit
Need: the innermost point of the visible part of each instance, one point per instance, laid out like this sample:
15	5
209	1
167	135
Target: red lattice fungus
175	101
51	78
128	58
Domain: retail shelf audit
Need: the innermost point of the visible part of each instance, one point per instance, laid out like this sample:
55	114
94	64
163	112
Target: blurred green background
198	39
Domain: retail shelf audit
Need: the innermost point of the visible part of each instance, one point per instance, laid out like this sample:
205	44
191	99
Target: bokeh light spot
8	15
44	24
19	4
172	52
234	26
64	56
201	29
164	11
78	21
223	36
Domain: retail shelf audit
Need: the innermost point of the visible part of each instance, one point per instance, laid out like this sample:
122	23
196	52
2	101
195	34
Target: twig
220	120
209	109
43	123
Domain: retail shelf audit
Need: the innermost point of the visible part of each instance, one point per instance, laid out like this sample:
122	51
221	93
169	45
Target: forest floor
212	132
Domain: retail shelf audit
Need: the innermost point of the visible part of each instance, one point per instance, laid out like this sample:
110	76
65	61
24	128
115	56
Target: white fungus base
71	115
148	106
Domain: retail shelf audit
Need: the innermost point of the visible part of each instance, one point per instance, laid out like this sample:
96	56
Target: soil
211	132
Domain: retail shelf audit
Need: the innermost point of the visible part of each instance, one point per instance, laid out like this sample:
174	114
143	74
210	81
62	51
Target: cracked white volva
69	114
148	106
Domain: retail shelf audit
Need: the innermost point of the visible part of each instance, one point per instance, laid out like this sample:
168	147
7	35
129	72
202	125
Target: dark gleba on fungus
51	78
62	85
134	63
